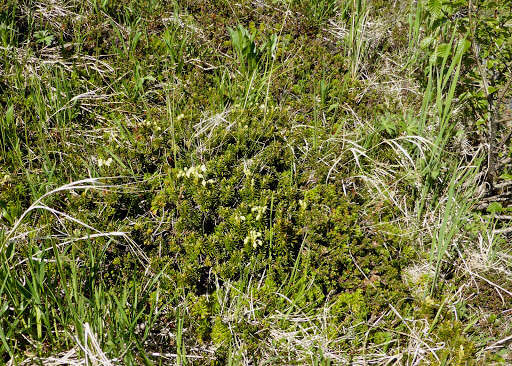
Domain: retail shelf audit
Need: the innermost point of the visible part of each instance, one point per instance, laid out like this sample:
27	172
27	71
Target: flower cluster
253	238
196	173
149	124
6	179
260	210
102	162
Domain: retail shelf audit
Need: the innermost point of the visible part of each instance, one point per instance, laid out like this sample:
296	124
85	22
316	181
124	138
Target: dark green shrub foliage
230	218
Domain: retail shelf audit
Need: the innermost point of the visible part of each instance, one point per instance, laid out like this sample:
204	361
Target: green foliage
44	37
246	49
459	349
220	334
494	208
317	11
356	44
315	231
255	193
486	74
176	47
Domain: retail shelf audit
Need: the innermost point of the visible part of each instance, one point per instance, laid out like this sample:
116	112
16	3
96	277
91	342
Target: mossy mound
235	216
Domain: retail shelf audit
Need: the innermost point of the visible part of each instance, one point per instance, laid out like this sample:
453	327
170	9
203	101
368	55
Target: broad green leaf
494	208
435	8
443	50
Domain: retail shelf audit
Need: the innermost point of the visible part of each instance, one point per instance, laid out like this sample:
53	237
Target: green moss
257	219
459	349
221	335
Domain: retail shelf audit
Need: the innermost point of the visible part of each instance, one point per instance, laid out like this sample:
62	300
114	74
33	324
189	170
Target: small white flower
5	179
196	173
253	238
260	210
247	171
106	163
